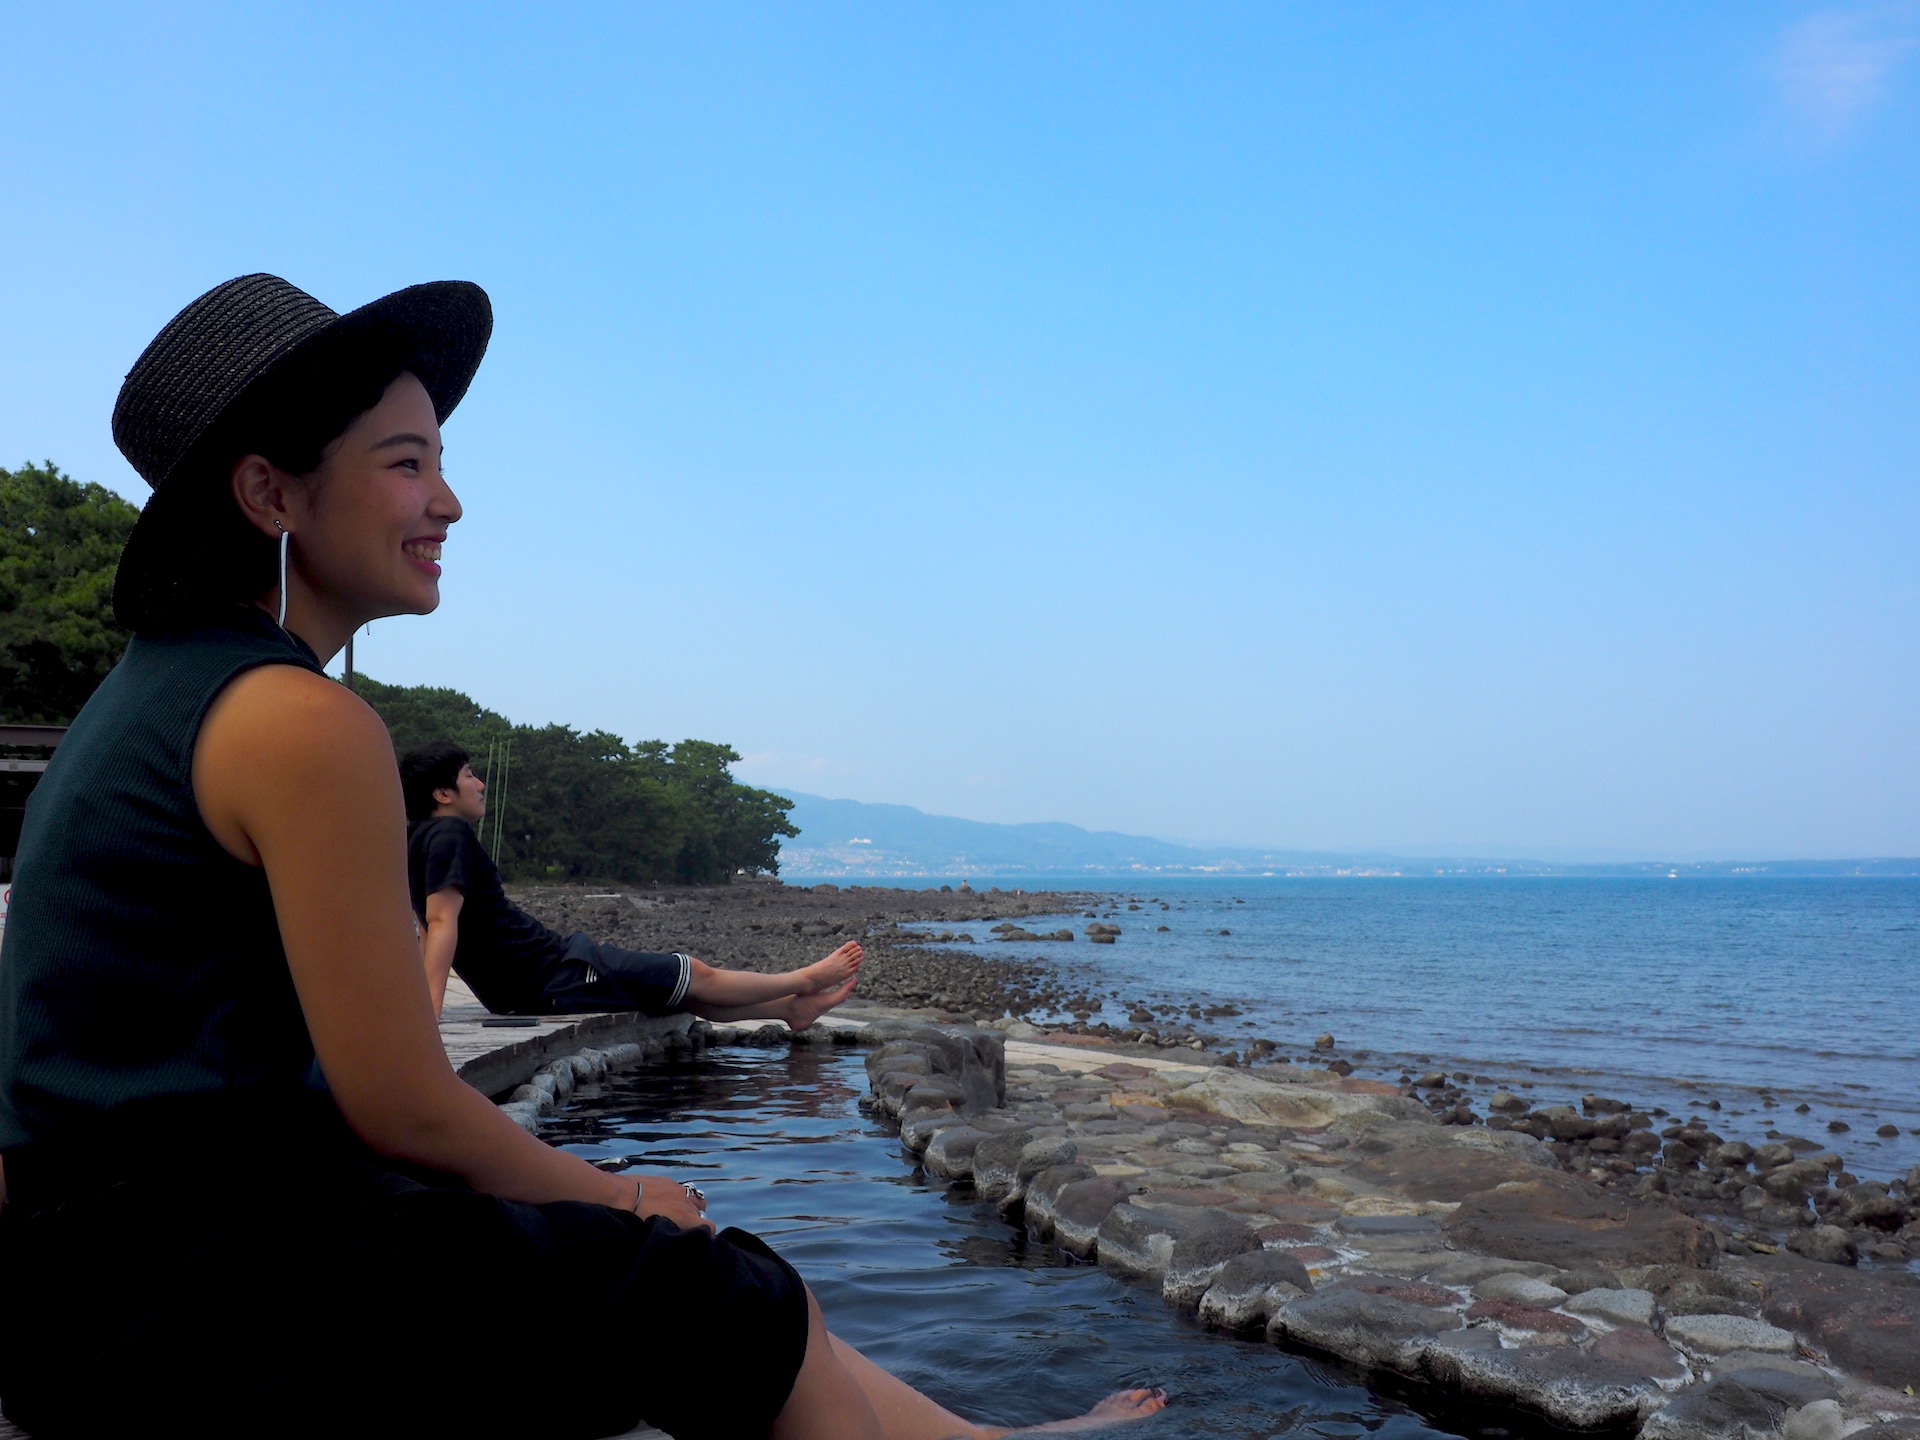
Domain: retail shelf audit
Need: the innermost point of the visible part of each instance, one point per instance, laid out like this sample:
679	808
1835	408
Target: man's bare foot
1117	1409
831	973
802	1010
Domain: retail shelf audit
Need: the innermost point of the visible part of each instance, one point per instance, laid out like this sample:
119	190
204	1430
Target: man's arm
442	939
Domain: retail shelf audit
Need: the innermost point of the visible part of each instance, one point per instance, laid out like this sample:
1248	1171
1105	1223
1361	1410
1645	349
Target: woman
248	1195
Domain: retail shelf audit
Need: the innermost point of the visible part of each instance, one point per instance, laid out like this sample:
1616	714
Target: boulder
1240	1096
1373	1331
1429	1162
996	1162
1529	1319
1711	1335
1616	1307
1042	1189
1869	1324
1514	1286
951	1149
1080	1207
1251	1287
1201	1252
1579	1389
1828	1244
1645	1353
1565	1221
1138	1239
1719	1411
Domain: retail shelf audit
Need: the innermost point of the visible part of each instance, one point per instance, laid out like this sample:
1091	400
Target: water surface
1669	993
941	1290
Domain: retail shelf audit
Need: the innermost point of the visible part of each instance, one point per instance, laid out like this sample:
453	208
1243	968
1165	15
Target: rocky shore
1778	1191
1342	1217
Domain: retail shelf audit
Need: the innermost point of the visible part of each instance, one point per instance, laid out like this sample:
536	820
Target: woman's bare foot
800	1011
831	973
1117	1409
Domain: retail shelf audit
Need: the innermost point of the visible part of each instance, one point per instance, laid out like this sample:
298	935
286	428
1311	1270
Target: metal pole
348	677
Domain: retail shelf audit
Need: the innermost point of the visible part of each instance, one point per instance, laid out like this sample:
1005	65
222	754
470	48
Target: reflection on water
939	1289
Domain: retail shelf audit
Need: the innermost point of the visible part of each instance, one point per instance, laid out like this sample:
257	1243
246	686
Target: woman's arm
294	773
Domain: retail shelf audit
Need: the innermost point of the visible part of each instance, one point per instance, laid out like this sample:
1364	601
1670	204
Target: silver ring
698	1197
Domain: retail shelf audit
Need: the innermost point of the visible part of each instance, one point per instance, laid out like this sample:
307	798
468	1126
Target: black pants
330	1294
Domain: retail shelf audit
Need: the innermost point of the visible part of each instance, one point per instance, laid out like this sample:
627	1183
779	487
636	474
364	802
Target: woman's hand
670	1200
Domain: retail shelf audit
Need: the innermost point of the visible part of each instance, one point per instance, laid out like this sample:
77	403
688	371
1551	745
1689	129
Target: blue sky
1491	426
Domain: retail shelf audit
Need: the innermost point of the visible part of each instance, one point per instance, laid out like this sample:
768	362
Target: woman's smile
425	552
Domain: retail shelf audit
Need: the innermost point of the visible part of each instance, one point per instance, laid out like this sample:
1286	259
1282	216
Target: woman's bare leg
826	1402
899	1405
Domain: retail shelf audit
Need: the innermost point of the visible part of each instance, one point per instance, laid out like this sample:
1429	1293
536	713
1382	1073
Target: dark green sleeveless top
142	979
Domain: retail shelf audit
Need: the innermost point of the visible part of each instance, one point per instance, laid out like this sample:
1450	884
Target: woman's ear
260	488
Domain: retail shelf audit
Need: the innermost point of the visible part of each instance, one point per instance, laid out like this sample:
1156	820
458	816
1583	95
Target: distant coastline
850	839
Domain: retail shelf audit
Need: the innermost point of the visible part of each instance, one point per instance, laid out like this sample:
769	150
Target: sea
1766	1006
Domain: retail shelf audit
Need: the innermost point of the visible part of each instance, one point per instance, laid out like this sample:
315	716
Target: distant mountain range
849	838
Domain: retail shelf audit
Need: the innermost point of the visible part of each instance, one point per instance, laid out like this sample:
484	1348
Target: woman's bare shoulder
289	708
281	742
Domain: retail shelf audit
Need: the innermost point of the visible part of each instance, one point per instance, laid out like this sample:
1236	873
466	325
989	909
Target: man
517	966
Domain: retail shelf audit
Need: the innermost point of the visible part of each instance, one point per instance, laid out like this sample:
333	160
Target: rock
1525	1289
996	1163
1139	1240
1644	1352
1042	1190
1802	1385
1578	1280
1566	1123
1719	1411
1471	1269
1565	1221
950	1151
1512	1315
1710	1335
1427	1162
1324	1042
1079	1209
1828	1244
917	1133
1251	1287
1506	1100
1251	1100
1869	1324
1579	1389
1201	1253
1370	1226
1367	1330
1821	1420
1616	1307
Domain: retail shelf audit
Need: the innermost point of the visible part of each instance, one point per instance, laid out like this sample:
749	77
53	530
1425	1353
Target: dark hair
426	768
291	417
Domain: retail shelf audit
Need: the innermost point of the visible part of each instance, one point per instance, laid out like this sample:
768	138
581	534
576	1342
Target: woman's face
369	524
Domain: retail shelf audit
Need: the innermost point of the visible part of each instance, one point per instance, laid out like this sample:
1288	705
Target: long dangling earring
285	536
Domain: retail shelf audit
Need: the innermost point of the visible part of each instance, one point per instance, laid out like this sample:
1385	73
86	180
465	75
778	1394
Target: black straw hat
226	347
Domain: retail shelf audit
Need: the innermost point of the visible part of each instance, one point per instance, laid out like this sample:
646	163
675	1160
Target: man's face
467	798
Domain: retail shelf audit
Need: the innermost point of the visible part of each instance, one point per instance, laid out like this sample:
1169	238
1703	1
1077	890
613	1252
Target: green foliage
570	806
59	543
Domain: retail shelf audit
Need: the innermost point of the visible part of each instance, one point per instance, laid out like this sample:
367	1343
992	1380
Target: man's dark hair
427	768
